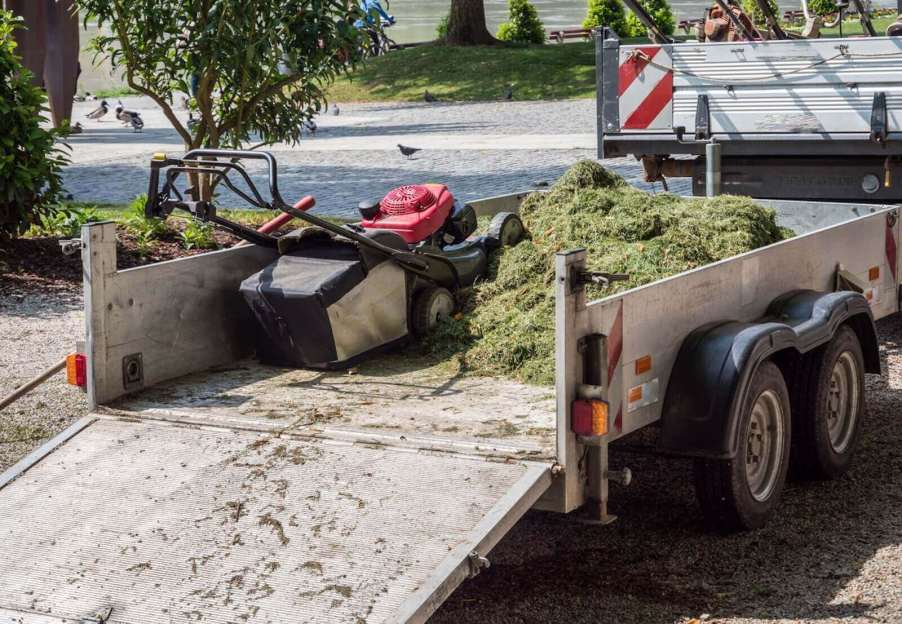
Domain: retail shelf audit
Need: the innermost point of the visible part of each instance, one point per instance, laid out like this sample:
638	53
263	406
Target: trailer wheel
828	407
507	228
430	305
742	492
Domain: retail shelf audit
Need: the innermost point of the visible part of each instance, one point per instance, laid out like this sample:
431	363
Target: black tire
828	405
507	228
733	493
430	305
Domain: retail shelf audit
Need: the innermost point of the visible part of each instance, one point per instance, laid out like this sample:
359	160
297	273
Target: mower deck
391	400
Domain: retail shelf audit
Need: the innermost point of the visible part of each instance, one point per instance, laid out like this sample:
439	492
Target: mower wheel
507	228
430	305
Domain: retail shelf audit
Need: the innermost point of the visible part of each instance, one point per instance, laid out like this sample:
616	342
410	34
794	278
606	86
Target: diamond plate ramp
165	524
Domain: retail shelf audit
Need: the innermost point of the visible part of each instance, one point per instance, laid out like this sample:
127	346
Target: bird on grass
100	111
509	93
335	110
429	97
408	151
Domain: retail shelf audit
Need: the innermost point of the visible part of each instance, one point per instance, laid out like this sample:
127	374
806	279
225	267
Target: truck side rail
798	97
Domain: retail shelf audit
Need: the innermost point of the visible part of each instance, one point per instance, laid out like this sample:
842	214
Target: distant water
417	18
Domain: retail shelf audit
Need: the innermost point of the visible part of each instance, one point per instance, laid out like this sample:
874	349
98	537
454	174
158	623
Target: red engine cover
414	211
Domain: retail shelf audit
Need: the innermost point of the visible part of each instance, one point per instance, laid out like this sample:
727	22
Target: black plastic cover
290	298
716	361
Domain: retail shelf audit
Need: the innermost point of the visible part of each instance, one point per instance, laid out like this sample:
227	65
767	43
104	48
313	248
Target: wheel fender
715	362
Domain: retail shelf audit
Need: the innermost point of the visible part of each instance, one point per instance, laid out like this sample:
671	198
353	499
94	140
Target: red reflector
77	369
589	418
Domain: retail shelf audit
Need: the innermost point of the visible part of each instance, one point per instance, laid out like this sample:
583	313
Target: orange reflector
590	418
874	273
635	394
643	364
77	369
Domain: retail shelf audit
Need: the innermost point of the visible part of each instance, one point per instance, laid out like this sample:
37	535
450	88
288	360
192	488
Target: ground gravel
833	553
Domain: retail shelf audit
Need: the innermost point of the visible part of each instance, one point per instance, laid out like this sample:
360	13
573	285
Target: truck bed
393	399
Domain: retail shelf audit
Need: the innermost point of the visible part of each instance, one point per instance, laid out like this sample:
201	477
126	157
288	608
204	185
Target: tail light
589	417
77	369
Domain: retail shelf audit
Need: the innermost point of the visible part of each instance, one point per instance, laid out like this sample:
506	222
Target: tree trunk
466	24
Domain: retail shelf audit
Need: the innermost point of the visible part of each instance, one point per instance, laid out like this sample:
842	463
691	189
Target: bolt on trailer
789	118
204	485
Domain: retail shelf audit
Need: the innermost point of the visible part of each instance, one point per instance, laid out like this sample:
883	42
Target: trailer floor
162	523
393	400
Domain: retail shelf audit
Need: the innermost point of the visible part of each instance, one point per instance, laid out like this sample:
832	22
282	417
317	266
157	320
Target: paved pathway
478	149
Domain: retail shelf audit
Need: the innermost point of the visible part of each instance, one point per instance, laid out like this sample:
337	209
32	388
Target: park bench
569	33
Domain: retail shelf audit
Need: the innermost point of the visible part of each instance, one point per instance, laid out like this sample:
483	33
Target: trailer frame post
569	313
712	169
98	263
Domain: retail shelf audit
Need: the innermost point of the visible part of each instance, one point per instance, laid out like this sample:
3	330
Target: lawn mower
336	293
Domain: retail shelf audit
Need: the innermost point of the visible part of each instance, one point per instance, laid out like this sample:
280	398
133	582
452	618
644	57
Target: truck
205	486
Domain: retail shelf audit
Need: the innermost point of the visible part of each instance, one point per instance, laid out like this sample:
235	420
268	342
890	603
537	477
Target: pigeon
192	122
335	111
100	111
408	151
429	97
310	126
509	93
136	122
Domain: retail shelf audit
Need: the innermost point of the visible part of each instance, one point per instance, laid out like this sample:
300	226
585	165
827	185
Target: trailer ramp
146	522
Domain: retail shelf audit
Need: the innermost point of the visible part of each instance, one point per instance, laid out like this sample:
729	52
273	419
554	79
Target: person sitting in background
368	7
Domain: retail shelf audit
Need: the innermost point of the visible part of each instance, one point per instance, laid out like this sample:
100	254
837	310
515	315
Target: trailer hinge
579	278
477	563
879	128
101	617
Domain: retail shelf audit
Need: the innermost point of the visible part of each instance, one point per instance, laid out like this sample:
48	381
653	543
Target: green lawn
473	73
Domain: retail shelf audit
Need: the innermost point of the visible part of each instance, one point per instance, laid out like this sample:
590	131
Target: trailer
206	487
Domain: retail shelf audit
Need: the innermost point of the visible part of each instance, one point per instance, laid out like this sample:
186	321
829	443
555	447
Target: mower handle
242	154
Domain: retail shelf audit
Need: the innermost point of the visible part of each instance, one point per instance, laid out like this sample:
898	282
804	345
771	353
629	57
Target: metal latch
71	246
879	126
579	278
477	563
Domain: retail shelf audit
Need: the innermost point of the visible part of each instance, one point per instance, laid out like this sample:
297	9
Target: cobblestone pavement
479	150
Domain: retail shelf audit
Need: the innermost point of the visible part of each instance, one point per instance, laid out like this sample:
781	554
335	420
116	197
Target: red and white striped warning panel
646	88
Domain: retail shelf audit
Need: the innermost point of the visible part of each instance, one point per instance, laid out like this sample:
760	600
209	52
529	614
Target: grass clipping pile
507	322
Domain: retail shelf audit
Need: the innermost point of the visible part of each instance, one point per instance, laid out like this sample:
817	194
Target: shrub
66	222
198	235
660	12
751	8
441	30
523	26
822	7
145	230
30	162
606	13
